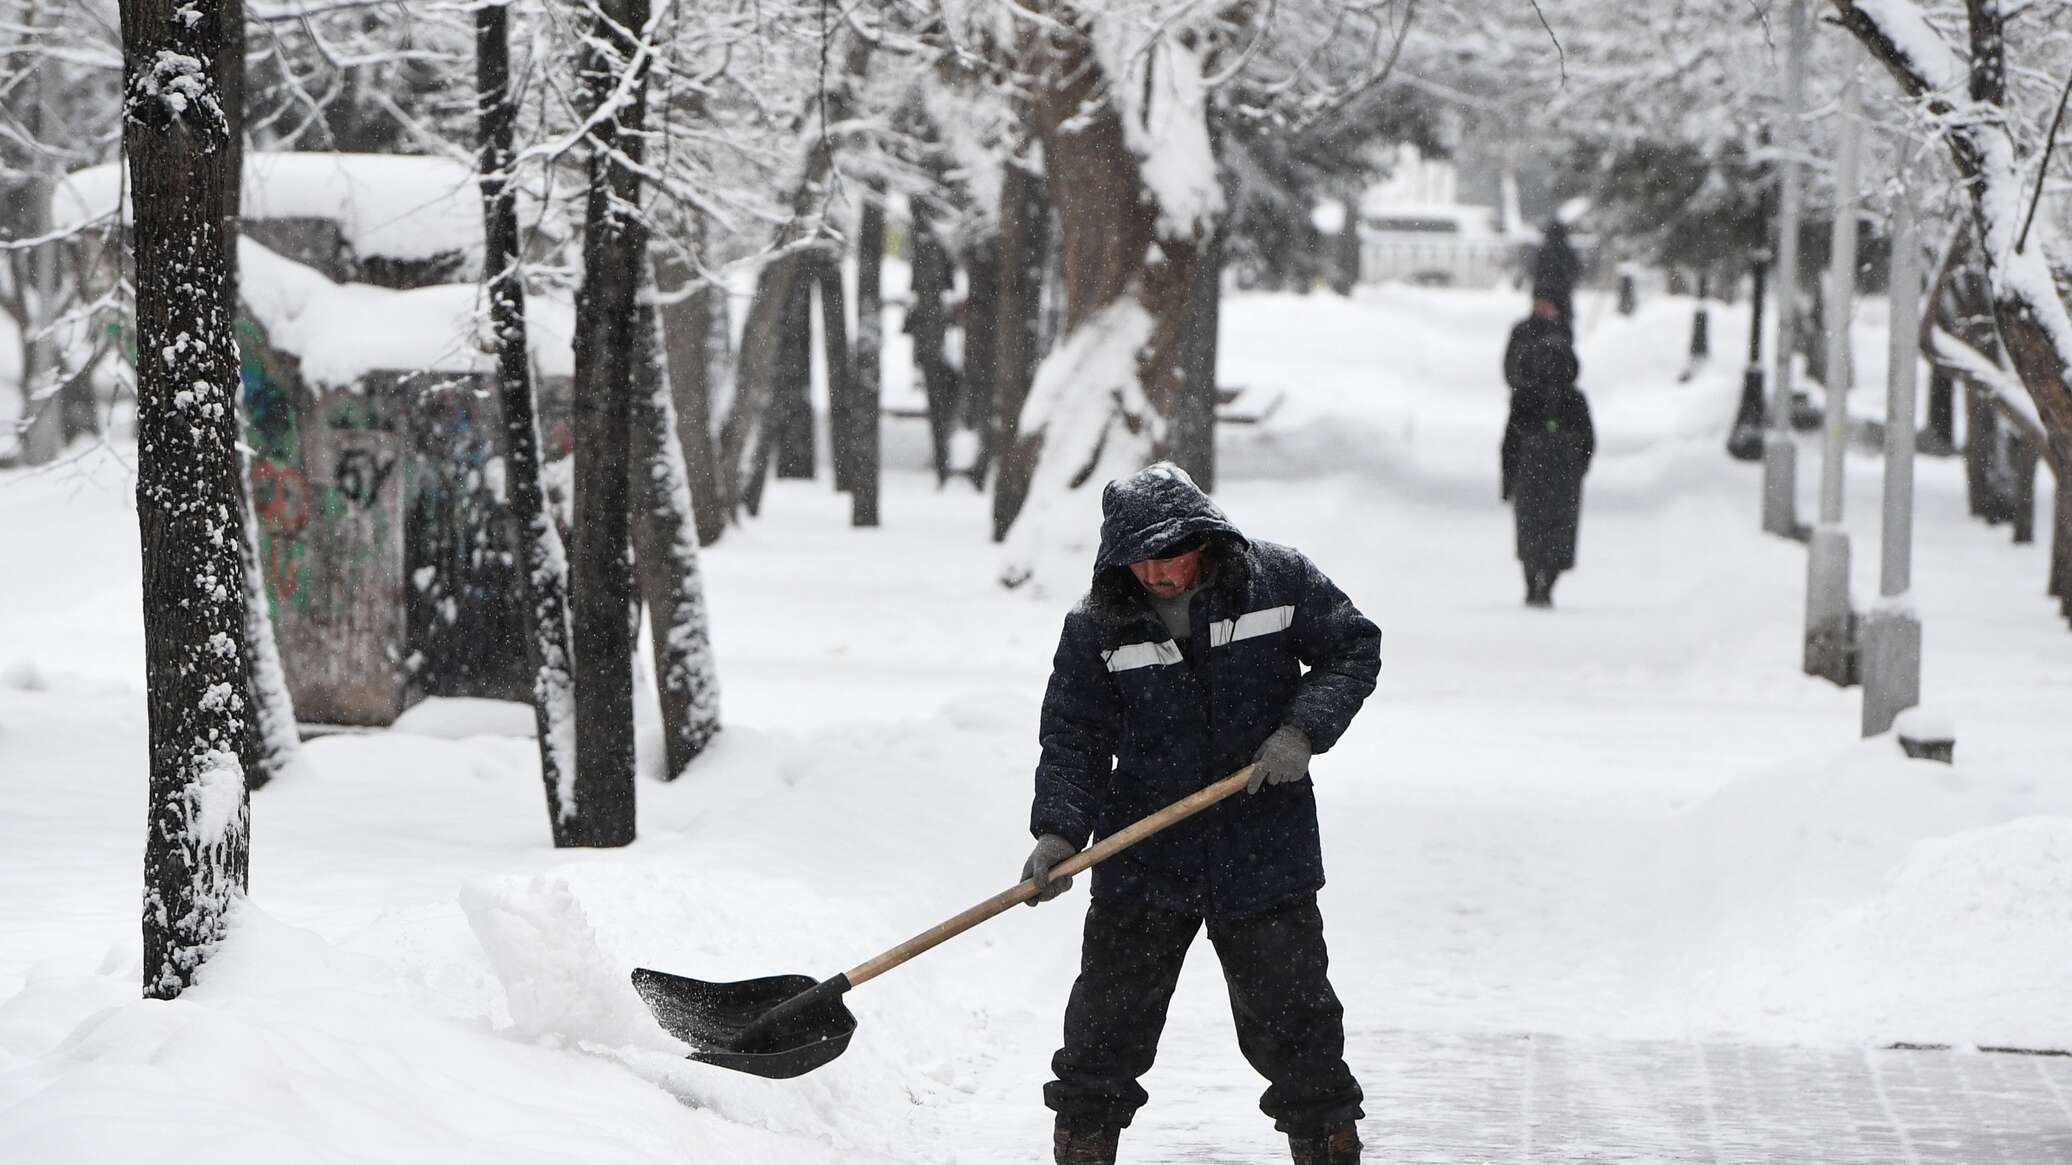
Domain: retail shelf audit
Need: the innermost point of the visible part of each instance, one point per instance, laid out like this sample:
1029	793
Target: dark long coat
1548	444
1133	721
1531	330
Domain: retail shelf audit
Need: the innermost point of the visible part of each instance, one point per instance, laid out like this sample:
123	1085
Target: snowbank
1871	896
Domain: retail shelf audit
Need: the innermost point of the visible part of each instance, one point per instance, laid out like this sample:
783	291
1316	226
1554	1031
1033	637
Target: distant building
1414	228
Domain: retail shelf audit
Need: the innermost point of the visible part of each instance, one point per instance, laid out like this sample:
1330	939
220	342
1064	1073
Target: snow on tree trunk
1966	98
176	135
543	568
615	238
1122	112
665	538
688	335
280	741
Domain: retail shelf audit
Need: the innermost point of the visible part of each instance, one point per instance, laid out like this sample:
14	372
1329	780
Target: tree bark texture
176	133
1194	419
928	323
979	378
689	310
1111	243
607	305
862	415
834	347
1017	321
665	541
543	567
793	402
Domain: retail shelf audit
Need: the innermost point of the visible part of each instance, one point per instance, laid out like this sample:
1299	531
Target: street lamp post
1892	630
1830	646
1780	456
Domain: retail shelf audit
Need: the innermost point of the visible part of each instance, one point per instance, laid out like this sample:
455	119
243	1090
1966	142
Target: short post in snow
1830	639
1745	439
1892	631
1780	456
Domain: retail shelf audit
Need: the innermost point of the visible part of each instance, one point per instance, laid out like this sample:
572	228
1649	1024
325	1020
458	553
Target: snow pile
459	717
343	331
556	980
1877	897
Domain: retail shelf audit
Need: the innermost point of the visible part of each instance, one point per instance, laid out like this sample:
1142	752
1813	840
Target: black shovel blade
714	1018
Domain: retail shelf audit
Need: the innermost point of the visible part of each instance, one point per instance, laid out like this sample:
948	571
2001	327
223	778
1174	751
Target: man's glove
1283	758
1050	850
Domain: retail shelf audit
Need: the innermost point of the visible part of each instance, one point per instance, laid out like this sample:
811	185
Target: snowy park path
1610	883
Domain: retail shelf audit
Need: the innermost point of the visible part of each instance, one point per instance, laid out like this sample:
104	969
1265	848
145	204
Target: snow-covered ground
1630	819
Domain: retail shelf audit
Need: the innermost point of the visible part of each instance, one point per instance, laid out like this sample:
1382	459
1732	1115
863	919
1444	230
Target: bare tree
543	568
176	133
608	308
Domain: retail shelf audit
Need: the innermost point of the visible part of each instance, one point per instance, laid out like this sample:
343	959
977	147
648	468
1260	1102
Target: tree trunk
176	134
2061	534
834	333
742	435
981	372
2026	308
1981	435
2022	501
279	741
688	334
607	306
794	399
1024	257
665	542
1940	439
862	416
542	565
1194	421
927	322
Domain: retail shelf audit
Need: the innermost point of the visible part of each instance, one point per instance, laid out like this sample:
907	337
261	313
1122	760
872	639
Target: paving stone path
1445	1098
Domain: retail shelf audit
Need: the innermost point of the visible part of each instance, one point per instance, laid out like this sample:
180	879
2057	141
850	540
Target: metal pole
1892	632
1841	304
1896	574
1780	456
1830	642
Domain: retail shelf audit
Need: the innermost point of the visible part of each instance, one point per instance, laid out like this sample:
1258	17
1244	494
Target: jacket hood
1154	509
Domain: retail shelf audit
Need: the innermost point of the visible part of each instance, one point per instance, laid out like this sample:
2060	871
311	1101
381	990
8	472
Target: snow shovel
787	1025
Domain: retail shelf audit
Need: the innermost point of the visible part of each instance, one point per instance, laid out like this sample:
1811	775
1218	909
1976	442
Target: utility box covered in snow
377	482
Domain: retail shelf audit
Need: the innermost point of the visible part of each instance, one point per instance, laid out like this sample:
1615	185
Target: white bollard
1780	456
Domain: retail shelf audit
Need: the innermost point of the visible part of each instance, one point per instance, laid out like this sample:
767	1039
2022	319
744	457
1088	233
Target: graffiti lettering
361	474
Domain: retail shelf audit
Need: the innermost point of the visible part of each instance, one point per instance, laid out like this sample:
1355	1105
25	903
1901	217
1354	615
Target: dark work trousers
1290	1025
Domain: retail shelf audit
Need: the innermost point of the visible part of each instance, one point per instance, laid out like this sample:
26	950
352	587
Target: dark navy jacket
1132	721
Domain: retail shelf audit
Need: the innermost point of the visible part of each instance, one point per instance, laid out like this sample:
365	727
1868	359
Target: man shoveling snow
1185	662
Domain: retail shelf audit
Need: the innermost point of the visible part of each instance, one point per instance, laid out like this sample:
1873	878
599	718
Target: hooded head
1156	512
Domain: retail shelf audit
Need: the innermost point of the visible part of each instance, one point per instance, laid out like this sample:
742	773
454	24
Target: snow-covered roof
391	206
342	331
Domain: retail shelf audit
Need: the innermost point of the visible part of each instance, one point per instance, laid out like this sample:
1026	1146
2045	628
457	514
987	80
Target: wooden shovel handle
1108	847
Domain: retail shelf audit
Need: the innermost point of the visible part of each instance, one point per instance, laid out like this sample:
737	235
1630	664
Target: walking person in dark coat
1183	664
1555	272
1548	443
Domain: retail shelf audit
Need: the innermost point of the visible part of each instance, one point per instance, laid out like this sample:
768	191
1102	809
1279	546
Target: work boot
1080	1141
1338	1146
